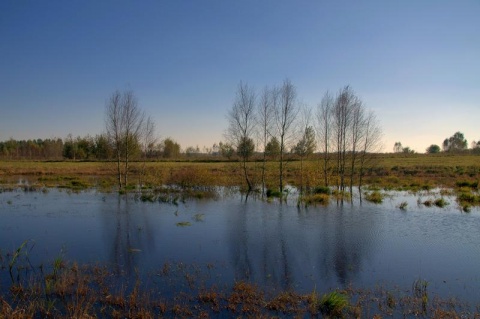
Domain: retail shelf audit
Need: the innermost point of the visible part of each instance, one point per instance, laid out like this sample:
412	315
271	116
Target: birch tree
324	132
265	114
124	125
241	127
286	111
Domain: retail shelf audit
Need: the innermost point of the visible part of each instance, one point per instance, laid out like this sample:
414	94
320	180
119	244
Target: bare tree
371	144
306	144
242	125
324	132
286	111
357	130
148	142
349	133
124	122
342	118
264	118
114	127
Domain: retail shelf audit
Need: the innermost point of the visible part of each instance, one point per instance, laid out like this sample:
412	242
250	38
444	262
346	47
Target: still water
277	246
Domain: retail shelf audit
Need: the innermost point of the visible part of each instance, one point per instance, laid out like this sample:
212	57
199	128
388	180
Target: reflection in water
128	233
282	246
275	246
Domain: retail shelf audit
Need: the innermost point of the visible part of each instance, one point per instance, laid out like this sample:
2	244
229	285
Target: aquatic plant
440	202
199	217
16	255
333	304
273	193
374	197
90	291
321	199
403	205
322	190
428	203
419	289
148	197
183	224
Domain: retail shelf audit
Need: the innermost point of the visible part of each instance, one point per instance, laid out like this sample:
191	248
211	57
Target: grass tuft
374	197
441	202
333	304
184	224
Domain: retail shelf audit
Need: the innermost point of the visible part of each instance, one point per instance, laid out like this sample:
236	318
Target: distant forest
99	148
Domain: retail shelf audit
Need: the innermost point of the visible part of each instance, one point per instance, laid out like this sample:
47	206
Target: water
276	246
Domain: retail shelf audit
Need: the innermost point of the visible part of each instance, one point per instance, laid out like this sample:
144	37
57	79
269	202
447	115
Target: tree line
270	125
274	122
457	143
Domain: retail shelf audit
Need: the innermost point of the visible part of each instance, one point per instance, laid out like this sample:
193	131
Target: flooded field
277	247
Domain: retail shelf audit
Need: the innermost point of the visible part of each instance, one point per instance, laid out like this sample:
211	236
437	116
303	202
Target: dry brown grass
397	171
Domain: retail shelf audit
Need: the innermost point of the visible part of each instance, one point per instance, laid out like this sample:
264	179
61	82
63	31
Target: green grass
333	304
374	197
440	202
315	199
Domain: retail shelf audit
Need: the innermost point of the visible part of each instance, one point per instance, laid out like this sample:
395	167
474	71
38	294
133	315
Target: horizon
414	64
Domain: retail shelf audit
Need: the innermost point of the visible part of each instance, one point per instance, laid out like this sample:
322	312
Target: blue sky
415	63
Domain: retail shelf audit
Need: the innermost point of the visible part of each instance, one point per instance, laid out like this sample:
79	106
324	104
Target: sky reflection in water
276	246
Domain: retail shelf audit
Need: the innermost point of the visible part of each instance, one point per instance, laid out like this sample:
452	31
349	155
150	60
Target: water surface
277	246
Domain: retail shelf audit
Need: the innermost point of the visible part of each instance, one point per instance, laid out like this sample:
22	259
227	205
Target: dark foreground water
276	246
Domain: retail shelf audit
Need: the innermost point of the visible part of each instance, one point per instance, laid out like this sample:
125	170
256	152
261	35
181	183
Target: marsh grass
199	217
375	197
183	224
391	171
403	206
179	290
441	202
314	199
333	304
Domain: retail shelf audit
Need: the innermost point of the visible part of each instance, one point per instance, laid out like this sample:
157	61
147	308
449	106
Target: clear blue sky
415	63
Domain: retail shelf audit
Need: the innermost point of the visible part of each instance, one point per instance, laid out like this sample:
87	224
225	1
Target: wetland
73	246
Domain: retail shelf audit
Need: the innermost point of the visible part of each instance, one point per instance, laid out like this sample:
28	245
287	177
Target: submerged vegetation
69	290
374	197
66	289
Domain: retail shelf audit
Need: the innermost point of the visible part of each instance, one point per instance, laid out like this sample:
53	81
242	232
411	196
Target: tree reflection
279	247
128	234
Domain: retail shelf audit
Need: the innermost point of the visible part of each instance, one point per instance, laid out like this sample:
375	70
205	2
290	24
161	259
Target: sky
416	64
